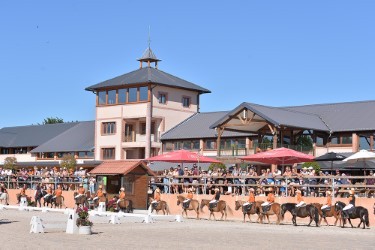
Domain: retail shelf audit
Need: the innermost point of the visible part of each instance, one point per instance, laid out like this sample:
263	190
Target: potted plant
83	222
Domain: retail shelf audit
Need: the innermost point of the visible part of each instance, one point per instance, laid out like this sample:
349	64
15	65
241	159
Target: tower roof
148	56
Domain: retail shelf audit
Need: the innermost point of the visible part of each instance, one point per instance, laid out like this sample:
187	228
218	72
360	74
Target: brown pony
194	205
274	210
330	213
58	201
220	208
82	200
255	209
126	206
162	205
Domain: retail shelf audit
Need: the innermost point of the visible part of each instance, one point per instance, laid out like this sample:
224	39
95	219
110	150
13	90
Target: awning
120	168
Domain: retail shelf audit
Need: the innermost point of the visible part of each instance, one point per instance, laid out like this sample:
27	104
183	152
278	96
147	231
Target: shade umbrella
279	156
361	156
182	156
331	156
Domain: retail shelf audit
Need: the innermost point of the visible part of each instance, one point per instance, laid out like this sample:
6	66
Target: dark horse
125	206
49	200
255	209
358	212
82	200
193	205
221	207
302	212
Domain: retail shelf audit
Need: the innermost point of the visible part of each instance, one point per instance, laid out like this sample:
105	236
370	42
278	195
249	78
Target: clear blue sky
274	53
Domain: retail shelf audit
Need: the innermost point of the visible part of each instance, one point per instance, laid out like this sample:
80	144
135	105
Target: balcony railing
234	151
265	146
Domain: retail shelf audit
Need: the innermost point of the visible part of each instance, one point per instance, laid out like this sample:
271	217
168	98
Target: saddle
212	205
186	204
266	208
247	208
155	204
326	209
348	212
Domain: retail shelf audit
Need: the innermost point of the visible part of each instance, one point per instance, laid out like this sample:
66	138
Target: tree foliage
314	164
217	165
53	120
68	161
10	162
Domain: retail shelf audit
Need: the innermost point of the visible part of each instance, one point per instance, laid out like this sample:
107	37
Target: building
133	110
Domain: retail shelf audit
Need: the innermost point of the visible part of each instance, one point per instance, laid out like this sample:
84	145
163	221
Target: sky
275	53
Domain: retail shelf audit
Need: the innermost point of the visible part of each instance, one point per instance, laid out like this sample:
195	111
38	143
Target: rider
156	200
58	192
122	195
99	193
270	199
81	191
22	193
300	201
189	197
251	199
49	193
4	193
216	198
328	204
351	204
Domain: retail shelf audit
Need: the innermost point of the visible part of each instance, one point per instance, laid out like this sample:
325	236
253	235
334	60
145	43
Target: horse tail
366	218
316	215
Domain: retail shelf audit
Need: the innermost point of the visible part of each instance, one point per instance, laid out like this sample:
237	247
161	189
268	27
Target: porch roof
120	167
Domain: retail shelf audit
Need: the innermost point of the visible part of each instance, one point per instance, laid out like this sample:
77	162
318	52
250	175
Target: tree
53	120
10	162
68	161
217	165
313	164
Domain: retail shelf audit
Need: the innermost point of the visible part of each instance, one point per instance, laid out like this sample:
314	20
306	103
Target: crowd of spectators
237	180
46	177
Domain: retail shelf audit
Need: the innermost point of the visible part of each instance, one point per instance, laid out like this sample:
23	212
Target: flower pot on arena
84	230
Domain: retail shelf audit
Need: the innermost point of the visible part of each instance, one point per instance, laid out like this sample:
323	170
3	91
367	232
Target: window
102	97
186	102
108	128
143	93
346	140
241	143
129	133
82	155
196	144
111	97
187	145
128	183
168	146
122	95
143	128
108	153
132	95
210	144
162	98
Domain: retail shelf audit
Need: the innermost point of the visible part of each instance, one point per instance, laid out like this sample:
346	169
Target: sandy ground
190	234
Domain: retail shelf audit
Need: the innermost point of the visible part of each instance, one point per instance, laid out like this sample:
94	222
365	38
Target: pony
162	205
58	201
359	212
125	206
48	200
255	209
274	210
221	207
330	213
193	205
302	212
82	200
100	199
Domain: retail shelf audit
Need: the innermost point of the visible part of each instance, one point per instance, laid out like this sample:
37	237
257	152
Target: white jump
39	225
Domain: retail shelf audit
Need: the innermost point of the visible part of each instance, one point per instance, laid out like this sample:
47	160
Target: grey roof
148	55
77	138
341	117
277	116
148	75
334	117
31	136
198	126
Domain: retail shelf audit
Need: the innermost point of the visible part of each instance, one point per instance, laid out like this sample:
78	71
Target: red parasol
181	156
279	156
